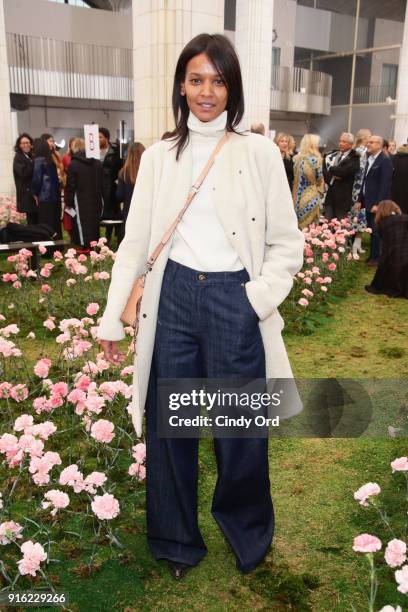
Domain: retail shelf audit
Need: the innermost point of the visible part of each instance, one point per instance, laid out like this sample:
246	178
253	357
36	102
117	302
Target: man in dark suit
340	178
376	186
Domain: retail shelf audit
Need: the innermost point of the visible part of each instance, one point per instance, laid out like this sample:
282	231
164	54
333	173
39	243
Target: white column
401	123
6	144
253	41
160	31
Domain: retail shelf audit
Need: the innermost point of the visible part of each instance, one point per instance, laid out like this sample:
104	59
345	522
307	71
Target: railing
374	94
44	66
300	90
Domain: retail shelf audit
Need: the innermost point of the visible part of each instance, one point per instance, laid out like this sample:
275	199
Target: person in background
391	277
392	147
258	128
308	184
127	177
66	160
399	184
23	167
84	195
360	146
376	187
385	147
339	177
282	140
46	187
56	158
292	146
111	164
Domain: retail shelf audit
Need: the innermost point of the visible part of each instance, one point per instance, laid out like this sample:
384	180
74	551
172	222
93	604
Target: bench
12	247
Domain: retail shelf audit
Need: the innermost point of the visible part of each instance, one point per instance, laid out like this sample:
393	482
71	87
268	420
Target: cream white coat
254	205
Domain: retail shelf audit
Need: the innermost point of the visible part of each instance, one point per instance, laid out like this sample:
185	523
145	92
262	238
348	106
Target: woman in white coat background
209	308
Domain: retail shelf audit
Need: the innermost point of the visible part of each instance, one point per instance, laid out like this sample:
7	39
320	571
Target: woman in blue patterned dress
357	218
308	185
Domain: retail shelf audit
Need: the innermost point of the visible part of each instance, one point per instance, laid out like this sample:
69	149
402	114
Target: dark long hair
41	149
19	139
223	56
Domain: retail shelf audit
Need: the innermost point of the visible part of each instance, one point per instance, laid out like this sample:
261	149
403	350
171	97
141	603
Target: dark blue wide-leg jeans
206	329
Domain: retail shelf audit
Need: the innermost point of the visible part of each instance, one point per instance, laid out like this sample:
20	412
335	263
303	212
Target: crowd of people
364	180
71	190
76	192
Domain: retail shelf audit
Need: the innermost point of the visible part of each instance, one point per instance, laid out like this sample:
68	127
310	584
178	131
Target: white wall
69	23
312	28
284	22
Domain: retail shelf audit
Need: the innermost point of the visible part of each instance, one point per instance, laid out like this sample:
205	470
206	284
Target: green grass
311	565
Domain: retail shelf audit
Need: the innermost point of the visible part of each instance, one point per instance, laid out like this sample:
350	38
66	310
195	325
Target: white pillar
6	144
160	30
253	41
401	123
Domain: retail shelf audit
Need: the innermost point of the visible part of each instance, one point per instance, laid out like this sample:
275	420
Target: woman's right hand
111	352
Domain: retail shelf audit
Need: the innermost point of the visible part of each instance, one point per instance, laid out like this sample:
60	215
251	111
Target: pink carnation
93	481
400	464
395	553
72	477
366	543
9	531
55	498
138	470
332	267
139	452
42	367
92	309
401	576
103	430
33	555
105	506
23	422
365	492
303	302
49	324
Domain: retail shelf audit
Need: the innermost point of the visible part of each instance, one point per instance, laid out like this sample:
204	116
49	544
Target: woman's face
283	144
51	143
204	89
25	145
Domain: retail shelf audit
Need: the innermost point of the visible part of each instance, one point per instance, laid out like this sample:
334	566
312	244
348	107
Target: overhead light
61	144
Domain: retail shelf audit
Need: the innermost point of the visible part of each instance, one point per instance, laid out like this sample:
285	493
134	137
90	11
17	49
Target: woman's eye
219	82
195	81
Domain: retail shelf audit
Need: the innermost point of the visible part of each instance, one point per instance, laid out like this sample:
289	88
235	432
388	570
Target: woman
127	177
23	172
357	216
56	158
66	160
84	195
391	277
209	306
45	187
399	185
360	146
308	185
282	140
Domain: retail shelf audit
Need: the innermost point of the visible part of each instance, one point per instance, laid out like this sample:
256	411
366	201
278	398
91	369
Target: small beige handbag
131	312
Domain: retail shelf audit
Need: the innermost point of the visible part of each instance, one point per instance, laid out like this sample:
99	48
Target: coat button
213	188
233	233
202	277
144	316
240	171
253	218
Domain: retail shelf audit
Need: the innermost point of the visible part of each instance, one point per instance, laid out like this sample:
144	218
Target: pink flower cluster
103	430
10	531
33	555
57	499
365	492
18	393
106	507
139	455
72	477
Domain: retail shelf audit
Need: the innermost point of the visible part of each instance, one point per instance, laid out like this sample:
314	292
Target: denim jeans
206	328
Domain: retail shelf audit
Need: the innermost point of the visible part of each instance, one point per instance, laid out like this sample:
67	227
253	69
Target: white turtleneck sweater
199	241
